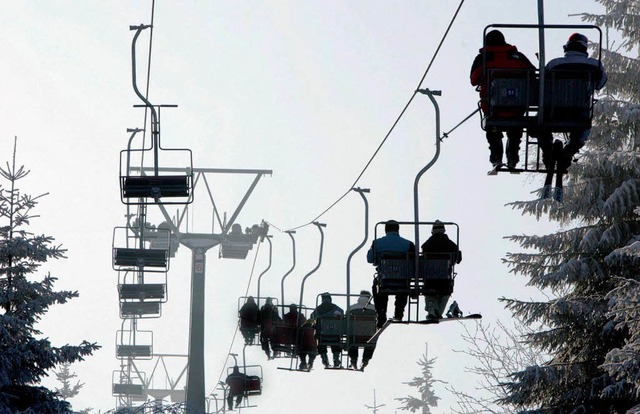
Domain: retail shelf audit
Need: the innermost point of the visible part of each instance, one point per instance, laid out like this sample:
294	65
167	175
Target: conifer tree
590	266
424	383
65	376
25	356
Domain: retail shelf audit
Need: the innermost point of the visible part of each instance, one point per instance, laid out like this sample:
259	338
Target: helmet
438	227
577	42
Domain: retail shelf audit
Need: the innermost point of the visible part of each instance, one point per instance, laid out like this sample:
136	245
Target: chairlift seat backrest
512	94
362	326
436	273
128	389
394	271
155	186
142	291
253	385
133	351
330	330
568	99
132	258
139	308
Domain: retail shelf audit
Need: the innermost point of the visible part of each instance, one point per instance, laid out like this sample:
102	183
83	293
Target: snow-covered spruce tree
24	355
69	390
591	265
424	384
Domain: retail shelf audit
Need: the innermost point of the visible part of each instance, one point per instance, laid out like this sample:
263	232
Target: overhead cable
375	153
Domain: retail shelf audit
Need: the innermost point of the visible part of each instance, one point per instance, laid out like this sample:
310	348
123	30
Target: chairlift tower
200	244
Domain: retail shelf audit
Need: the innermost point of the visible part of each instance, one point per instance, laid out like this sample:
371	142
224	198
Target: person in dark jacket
328	309
360	313
576	58
237	386
249	320
498	54
391	242
267	315
439	242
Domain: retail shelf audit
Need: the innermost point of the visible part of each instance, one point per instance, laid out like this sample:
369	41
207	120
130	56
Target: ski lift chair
140	309
236	245
130	251
155	184
124	385
247	383
134	344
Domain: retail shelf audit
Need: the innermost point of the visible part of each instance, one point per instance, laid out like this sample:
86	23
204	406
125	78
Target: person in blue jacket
391	242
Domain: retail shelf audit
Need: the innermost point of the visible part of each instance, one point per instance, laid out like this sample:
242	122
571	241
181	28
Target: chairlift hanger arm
319	226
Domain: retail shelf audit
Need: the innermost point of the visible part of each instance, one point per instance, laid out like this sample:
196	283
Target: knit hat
438	227
577	42
495	38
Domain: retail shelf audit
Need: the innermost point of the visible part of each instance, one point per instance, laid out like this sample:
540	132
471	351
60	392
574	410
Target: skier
439	242
359	313
249	320
576	58
498	54
328	309
391	242
266	317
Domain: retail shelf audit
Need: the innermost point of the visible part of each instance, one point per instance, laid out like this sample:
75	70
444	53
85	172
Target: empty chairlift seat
155	186
125	258
156	175
128	390
134	351
139	309
142	291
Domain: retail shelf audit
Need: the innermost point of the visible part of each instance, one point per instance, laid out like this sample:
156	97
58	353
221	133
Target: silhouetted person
266	317
237	383
249	320
390	243
498	54
328	309
359	314
439	242
576	58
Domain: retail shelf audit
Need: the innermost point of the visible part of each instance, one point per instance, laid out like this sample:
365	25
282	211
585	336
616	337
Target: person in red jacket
498	54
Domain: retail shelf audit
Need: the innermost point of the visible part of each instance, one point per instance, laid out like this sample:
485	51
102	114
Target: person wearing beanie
361	313
498	54
439	242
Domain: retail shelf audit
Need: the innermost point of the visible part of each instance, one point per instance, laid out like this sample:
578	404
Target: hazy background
307	89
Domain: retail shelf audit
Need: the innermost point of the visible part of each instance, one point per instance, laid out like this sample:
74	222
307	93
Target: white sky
307	89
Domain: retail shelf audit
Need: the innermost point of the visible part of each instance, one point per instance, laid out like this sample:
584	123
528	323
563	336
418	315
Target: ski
460	318
496	168
554	168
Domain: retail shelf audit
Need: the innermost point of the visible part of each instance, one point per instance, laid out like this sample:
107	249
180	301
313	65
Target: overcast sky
306	89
